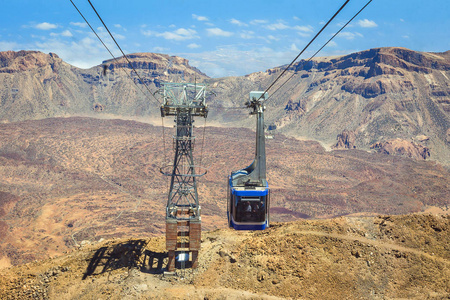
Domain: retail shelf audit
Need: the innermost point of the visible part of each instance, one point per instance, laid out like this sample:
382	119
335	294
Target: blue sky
221	38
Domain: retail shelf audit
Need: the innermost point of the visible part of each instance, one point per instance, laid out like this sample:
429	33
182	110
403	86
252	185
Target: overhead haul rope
203	142
301	52
117	44
106	47
146	86
142	81
345	25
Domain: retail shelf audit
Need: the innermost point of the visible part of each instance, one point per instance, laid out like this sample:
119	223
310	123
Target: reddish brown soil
384	257
76	179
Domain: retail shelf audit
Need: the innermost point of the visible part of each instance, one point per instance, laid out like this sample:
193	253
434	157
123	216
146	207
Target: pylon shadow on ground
131	254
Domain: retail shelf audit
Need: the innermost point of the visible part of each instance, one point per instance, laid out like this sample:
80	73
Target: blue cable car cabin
248	208
248	189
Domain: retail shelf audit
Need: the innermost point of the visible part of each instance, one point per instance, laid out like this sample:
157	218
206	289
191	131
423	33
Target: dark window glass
250	209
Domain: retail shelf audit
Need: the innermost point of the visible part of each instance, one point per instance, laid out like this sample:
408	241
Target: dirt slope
344	258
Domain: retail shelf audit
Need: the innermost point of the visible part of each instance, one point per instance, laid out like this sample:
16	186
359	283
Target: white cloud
367	23
66	33
45	26
303	28
218	32
349	35
296	18
245	34
331	44
199	18
4	46
193	46
294	47
258	22
172	26
277	26
84	53
118	36
181	34
79	24
237	22
149	32
227	60
405	36
341	24
120	27
401	20
160	49
271	37
303	34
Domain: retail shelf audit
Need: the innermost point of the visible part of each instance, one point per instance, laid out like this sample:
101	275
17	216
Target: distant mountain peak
156	61
12	61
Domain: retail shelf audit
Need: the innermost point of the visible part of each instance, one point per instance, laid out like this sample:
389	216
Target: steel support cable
117	44
116	60
101	175
301	52
345	25
164	149
223	107
203	142
106	47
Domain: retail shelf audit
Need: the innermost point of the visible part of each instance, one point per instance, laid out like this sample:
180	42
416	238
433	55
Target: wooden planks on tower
184	235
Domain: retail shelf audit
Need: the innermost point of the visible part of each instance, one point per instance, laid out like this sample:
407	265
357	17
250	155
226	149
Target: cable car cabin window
250	209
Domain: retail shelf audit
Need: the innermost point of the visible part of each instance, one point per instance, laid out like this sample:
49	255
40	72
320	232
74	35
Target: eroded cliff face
378	94
14	62
157	68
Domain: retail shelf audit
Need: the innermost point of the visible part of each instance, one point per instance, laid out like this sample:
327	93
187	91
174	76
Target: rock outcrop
346	140
14	62
403	148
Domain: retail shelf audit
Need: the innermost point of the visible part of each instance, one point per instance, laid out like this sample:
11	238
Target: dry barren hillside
68	180
384	257
383	95
35	85
378	95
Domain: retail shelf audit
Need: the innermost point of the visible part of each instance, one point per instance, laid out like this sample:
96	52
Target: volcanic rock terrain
69	180
378	94
80	159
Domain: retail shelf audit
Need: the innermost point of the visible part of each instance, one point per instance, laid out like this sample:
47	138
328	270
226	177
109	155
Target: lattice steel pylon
183	220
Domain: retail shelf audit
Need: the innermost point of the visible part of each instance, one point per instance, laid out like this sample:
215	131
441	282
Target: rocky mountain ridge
37	85
378	94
